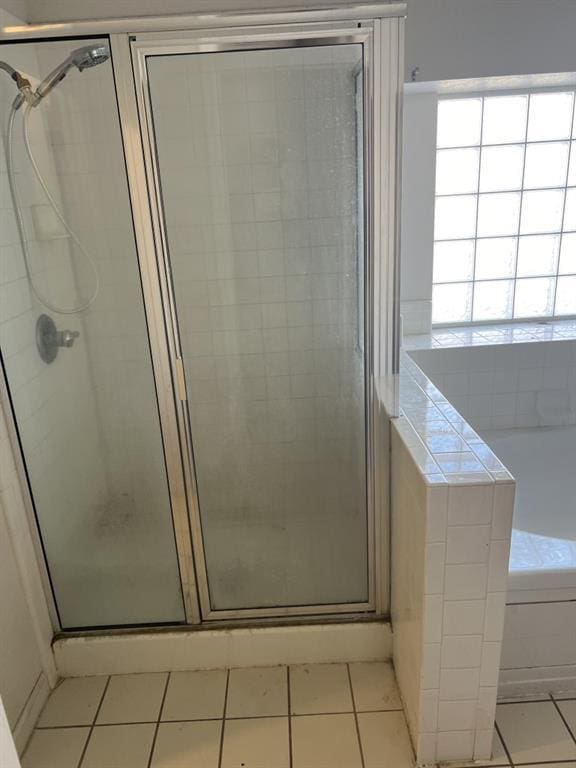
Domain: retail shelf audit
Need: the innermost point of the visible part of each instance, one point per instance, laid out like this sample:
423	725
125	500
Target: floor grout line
217	719
506	750
572	734
223	719
98	708
291	760
362	761
153	745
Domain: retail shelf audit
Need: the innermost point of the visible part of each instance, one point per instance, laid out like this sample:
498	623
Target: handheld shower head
81	58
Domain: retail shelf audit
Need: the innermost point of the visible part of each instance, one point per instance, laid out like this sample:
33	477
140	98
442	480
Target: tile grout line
355	716
506	751
572	734
217	719
220	756
289	717
98	708
155	736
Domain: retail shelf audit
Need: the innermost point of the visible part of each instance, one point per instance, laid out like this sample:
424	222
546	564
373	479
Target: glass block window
505	208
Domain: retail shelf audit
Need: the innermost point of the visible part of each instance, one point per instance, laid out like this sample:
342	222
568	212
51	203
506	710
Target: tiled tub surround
521	397
452	504
503	379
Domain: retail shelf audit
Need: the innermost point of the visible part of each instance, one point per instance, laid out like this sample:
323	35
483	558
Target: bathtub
521	400
543	551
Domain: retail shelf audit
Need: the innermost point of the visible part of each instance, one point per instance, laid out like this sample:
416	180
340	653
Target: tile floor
309	716
316	716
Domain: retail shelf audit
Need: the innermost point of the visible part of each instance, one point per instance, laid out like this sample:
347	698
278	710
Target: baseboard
30	714
531	681
213	649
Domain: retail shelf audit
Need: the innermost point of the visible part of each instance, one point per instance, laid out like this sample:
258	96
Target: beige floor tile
385	740
58	748
257	692
374	686
325	741
74	702
568	709
187	745
133	699
195	695
119	746
320	688
256	743
534	732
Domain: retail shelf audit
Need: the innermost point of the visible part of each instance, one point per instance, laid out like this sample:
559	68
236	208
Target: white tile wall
455	514
504	377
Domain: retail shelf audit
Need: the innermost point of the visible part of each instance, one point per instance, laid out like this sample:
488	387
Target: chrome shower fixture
81	58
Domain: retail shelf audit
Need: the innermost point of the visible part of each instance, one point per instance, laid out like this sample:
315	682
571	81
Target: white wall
450	39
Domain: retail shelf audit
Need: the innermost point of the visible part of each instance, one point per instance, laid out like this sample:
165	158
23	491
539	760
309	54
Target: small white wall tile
457	715
466	582
498	566
455	745
463	617
430	677
459	684
461	652
435	559
490	669
468	544
494	618
467	506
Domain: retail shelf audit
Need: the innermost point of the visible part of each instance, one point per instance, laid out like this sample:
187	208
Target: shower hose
53	204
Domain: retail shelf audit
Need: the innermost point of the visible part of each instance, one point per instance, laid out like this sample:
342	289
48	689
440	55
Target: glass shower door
259	161
84	403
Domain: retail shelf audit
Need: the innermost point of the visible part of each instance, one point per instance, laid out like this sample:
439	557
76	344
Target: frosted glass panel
542	211
546	165
566	296
452	303
538	255
493	300
501	168
534	297
264	232
495	257
550	116
93	448
453	261
504	119
456	171
455	217
459	122
498	214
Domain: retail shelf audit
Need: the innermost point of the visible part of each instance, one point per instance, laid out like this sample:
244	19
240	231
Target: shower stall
198	311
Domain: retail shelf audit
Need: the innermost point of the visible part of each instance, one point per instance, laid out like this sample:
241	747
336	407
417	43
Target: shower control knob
49	338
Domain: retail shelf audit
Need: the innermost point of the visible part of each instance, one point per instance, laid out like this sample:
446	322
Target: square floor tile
187	745
58	748
534	732
325	741
374	686
568	709
385	740
256	743
133	698
119	746
195	695
257	692
74	702
320	688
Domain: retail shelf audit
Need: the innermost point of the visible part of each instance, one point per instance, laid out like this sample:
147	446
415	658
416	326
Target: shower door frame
380	162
